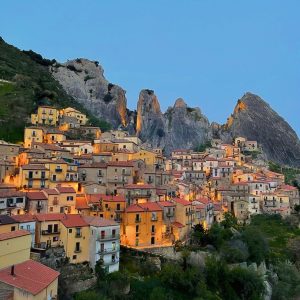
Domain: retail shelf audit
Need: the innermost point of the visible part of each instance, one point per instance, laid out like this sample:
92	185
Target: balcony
108	237
138	220
46	232
118	220
78	235
78	250
153	232
100	175
58	170
10	204
154	219
109	250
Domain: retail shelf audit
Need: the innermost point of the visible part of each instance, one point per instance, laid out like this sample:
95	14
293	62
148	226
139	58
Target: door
152	240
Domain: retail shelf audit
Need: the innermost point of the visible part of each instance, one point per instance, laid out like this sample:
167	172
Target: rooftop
99	222
13	234
74	221
31	276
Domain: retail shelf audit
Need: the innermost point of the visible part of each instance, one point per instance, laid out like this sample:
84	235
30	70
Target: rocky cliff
179	127
254	119
84	80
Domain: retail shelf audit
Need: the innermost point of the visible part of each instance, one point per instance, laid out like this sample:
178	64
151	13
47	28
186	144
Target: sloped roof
13	234
31	276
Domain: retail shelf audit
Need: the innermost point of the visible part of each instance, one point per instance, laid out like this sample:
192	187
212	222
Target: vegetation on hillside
228	272
29	85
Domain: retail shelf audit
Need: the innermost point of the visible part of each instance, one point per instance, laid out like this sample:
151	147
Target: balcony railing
78	235
39	205
109	250
154	219
108	237
77	250
138	220
46	232
58	170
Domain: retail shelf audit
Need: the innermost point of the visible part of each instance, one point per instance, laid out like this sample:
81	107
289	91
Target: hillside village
70	186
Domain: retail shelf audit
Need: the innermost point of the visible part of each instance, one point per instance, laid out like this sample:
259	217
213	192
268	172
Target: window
55	239
74	256
69	198
78	232
51	208
70	230
113	246
153	229
137	228
19	200
77	247
13	228
113	233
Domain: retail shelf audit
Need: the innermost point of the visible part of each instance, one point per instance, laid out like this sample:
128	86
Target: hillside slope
30	83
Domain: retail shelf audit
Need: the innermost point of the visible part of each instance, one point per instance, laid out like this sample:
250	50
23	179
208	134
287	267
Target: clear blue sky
207	52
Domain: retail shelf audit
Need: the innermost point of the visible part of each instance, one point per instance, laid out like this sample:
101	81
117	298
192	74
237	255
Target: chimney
12	270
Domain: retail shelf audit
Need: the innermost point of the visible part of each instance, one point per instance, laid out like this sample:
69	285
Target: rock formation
254	119
84	80
179	127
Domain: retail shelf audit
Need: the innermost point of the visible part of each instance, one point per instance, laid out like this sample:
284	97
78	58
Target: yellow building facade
15	247
46	115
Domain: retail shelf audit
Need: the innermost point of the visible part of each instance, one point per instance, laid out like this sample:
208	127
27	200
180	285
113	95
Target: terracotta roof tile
99	222
13	234
74	221
65	189
81	203
166	203
31	276
49	217
36	196
182	201
51	191
24	218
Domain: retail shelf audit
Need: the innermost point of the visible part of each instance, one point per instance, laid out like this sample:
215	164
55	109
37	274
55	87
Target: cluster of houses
70	185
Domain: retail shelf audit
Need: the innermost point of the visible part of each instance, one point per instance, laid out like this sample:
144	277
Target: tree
288	285
235	251
100	272
229	220
159	293
257	244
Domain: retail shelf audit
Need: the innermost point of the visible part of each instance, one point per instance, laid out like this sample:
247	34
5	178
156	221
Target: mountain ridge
81	83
